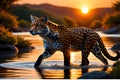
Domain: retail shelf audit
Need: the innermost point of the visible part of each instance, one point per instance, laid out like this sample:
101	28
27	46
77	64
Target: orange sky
72	3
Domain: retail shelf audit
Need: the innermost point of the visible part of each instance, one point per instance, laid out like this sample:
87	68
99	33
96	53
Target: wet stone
8	47
96	75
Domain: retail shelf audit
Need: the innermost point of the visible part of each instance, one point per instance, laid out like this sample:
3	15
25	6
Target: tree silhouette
116	5
4	4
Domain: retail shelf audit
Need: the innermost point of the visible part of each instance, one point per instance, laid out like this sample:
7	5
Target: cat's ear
45	18
32	19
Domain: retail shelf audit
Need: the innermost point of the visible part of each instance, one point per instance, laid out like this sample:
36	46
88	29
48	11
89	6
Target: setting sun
85	10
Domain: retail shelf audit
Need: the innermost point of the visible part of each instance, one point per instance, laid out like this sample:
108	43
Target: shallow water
20	65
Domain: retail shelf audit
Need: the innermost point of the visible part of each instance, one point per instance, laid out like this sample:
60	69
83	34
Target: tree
5	4
6	19
111	20
23	13
116	5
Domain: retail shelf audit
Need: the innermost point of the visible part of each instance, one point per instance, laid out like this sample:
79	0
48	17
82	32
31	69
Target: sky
91	4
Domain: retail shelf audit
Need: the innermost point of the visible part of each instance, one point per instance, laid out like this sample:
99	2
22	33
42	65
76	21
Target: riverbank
11	42
113	30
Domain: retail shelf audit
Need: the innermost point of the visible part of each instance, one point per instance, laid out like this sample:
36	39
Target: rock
117	63
8	47
96	75
113	30
116	47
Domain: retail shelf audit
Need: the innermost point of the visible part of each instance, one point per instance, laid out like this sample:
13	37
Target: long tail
105	52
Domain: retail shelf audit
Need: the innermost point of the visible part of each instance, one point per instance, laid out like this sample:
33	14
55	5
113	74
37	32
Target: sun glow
85	10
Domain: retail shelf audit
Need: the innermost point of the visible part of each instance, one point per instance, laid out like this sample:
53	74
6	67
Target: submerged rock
8	47
96	75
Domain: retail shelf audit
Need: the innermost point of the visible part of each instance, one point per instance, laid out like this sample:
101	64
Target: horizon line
57	5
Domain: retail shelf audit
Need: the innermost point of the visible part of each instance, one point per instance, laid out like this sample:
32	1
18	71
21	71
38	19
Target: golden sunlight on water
21	65
75	73
72	56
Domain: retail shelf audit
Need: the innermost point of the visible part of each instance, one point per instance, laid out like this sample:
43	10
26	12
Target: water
20	65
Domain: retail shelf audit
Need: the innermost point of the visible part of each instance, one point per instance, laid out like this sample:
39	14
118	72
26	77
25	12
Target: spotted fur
58	37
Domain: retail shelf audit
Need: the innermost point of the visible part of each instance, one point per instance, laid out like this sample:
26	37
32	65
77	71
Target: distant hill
71	12
60	13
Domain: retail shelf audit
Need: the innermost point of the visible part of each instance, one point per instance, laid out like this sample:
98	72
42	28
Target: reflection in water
58	74
50	74
20	65
69	73
17	73
72	56
5	55
46	71
75	73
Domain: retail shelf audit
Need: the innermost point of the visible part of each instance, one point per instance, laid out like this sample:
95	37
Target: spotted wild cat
58	37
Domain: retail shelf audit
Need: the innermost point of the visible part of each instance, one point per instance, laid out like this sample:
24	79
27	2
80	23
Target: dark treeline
70	17
98	18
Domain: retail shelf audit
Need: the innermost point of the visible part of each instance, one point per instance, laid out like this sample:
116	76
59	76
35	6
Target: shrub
6	37
5	4
116	6
8	20
22	43
111	20
24	24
